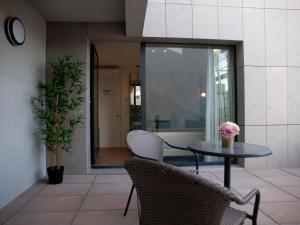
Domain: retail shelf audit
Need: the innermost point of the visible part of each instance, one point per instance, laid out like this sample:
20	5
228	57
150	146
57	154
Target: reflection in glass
189	91
135	95
135	101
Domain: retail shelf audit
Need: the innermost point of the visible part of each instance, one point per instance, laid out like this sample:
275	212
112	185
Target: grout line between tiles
287	85
260	209
235	189
20	208
279	187
166	33
289	173
83	200
192	10
266	80
225	6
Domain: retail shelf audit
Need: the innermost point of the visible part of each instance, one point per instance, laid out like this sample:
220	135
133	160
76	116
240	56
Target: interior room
117	100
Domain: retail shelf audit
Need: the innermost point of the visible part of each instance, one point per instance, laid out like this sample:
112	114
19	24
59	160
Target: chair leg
254	215
197	162
129	199
256	207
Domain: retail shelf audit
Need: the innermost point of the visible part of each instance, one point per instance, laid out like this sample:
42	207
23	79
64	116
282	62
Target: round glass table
239	150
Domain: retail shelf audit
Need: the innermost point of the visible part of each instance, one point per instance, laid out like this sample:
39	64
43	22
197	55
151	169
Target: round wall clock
15	31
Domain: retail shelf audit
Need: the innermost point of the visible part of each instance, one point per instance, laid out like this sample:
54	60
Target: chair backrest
172	196
144	144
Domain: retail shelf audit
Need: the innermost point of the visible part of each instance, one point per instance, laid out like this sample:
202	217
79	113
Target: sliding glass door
189	91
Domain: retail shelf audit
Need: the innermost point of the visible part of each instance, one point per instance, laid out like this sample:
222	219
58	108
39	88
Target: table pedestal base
227	172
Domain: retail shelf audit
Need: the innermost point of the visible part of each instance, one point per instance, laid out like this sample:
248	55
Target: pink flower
229	129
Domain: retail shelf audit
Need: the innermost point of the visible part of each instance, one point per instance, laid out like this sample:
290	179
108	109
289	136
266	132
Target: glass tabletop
240	150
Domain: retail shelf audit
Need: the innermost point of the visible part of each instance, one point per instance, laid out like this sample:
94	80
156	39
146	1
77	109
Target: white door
109	108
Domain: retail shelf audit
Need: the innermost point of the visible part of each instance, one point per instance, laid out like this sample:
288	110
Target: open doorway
116	98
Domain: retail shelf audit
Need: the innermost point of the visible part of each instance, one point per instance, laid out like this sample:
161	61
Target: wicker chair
172	196
144	145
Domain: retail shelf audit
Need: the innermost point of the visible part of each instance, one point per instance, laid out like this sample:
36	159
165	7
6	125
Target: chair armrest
176	147
242	201
248	197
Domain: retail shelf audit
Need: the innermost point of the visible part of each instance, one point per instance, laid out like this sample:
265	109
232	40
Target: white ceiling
118	53
81	10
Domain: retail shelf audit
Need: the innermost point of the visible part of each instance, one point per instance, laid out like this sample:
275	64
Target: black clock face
15	31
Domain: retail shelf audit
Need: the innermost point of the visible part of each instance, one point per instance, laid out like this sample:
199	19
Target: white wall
22	160
268	62
124	73
125	56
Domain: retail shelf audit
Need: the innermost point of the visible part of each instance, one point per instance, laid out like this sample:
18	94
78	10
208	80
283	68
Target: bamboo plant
58	107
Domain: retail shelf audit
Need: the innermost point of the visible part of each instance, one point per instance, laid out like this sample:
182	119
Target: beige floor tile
78	179
107	217
66	189
16	204
294	190
284	181
107	189
53	203
234	174
45	218
249	182
270	195
294	171
5	216
105	202
108	195
283	212
268	172
113	178
262	219
208	175
211	177
36	188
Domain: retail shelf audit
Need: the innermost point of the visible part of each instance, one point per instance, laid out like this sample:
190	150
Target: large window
189	91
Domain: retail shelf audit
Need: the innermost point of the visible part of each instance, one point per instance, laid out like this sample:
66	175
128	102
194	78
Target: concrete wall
268	63
22	160
74	39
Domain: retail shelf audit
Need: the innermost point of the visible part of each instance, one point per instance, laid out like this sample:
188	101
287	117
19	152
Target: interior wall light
15	31
138	93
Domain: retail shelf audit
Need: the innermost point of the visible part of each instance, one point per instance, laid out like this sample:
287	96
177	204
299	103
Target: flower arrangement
229	130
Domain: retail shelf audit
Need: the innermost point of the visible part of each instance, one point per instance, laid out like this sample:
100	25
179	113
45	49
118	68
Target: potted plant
57	109
228	131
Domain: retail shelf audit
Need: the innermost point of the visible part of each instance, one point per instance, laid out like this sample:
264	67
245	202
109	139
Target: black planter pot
55	174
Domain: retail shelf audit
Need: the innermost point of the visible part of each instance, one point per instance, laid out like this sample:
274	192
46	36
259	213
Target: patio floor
100	199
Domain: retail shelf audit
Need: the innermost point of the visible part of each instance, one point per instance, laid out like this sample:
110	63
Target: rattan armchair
173	196
145	145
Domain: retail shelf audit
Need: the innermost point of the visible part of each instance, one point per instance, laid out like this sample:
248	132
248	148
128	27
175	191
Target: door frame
93	102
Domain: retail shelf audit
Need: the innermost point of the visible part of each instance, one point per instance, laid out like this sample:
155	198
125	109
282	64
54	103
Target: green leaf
58	104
